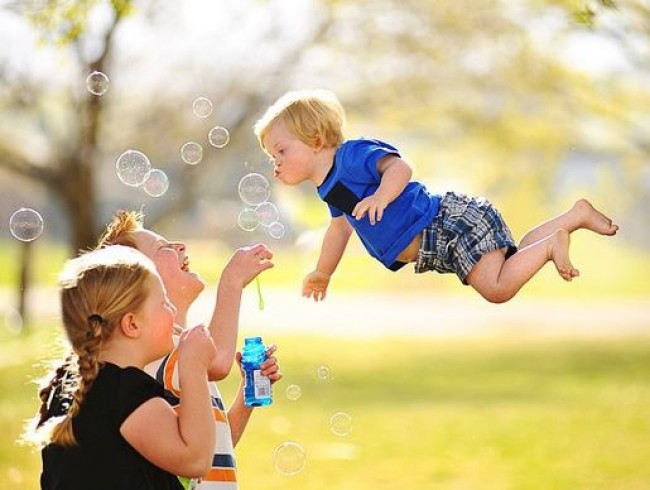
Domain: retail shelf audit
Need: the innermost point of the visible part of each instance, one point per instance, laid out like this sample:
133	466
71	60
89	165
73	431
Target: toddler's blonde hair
311	115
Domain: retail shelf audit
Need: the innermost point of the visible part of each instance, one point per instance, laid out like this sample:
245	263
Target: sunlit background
394	380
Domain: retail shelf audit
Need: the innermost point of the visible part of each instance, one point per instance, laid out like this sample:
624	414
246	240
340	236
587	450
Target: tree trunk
24	283
77	192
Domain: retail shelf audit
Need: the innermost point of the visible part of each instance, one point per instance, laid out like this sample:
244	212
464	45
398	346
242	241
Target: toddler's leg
581	215
498	280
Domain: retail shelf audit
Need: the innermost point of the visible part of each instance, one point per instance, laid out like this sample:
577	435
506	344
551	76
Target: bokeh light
202	107
192	152
97	83
268	213
156	184
341	424
248	219
289	458
294	392
219	136
323	372
133	168
276	230
254	189
26	224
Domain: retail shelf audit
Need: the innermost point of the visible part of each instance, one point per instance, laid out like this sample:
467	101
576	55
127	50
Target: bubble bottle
257	387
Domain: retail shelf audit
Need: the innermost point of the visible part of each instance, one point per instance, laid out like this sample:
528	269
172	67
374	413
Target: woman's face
173	265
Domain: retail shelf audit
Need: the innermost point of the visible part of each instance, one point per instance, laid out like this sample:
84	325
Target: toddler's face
292	159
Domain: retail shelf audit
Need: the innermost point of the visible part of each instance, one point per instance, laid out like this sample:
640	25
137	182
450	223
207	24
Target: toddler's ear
318	142
128	326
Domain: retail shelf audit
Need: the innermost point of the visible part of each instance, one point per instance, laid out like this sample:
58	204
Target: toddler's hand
246	263
196	346
315	285
372	205
269	368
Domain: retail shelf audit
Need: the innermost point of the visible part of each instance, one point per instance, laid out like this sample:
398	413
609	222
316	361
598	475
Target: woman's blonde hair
309	114
121	228
97	289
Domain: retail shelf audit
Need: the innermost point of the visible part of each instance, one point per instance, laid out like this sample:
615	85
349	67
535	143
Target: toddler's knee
498	296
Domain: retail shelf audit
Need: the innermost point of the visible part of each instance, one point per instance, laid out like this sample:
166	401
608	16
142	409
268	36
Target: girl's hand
315	285
269	367
196	346
372	205
247	263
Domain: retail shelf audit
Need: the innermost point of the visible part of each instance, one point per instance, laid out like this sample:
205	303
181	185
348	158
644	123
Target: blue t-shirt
353	177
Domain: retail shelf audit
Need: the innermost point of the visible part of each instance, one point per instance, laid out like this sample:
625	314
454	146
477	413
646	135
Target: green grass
452	414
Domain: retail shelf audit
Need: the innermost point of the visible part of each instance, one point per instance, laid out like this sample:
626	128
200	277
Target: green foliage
62	23
588	13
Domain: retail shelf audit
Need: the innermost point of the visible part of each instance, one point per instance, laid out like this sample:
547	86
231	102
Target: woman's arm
245	264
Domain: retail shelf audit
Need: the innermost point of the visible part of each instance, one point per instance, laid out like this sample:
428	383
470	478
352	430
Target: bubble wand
260	299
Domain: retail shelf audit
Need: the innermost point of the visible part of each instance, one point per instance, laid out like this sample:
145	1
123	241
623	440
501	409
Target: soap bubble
248	219
157	183
26	224
133	168
218	136
293	392
97	83
289	458
254	189
323	372
192	153
268	213
202	107
341	424
276	230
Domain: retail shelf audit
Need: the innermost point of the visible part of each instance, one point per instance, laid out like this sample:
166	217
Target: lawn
444	414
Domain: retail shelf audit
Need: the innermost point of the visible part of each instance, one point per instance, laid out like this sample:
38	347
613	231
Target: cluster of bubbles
26	224
134	169
255	191
218	136
290	457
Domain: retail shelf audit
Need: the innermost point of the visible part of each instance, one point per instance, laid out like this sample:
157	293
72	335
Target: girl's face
173	266
156	318
293	160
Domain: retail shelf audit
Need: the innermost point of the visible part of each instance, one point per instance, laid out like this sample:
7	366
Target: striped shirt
223	475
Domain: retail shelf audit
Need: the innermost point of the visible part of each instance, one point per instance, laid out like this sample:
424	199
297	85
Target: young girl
183	286
117	431
368	189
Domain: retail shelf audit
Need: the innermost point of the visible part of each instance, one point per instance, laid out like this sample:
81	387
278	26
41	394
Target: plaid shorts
464	229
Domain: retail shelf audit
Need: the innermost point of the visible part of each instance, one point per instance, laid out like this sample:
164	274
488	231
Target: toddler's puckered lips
185	265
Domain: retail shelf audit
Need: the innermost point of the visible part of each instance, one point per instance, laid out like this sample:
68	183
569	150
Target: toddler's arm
179	443
395	175
334	244
245	264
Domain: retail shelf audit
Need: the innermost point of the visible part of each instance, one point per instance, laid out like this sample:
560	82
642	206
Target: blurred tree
465	81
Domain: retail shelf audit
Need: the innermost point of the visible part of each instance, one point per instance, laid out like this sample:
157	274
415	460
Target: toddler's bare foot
594	220
559	254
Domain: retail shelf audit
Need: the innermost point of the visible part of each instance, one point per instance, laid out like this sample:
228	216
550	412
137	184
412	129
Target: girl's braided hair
97	289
